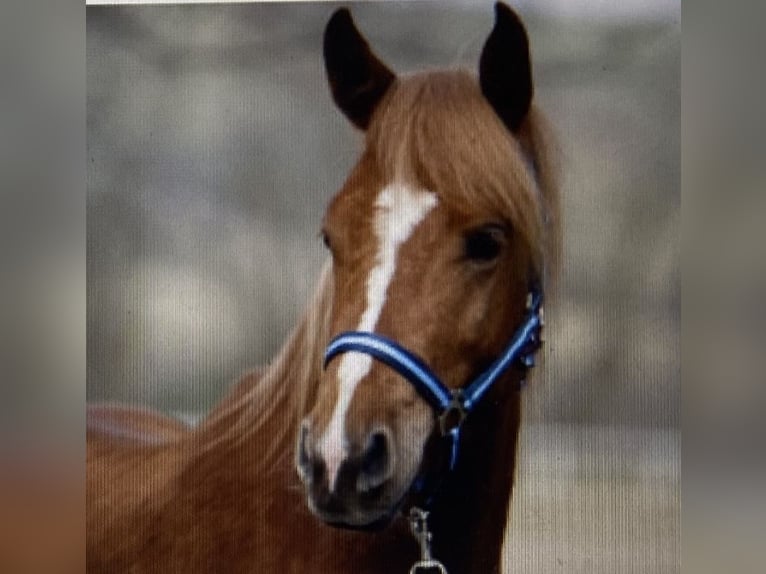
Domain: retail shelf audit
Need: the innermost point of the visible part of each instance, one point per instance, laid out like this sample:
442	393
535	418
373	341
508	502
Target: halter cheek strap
451	406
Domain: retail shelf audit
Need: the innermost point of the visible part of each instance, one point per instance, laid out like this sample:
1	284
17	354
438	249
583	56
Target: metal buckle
419	527
454	415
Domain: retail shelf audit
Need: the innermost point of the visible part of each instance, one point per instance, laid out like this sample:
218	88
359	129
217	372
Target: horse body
449	214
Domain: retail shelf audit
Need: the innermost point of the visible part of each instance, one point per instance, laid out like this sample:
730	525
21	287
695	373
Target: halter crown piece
451	406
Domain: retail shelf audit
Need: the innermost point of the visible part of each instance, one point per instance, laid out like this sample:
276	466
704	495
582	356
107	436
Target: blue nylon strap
524	343
398	358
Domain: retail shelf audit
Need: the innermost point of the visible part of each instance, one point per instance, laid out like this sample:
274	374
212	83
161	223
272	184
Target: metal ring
456	408
427	564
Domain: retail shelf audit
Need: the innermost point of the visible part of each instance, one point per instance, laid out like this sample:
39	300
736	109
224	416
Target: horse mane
437	130
283	389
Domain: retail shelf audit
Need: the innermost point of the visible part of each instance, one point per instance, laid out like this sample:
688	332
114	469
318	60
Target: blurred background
213	147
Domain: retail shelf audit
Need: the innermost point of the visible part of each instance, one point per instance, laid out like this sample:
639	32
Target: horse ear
505	72
358	79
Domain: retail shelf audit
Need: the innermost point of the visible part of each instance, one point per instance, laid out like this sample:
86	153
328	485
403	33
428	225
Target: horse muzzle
357	491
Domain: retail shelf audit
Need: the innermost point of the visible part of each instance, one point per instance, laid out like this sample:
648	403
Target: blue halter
451	406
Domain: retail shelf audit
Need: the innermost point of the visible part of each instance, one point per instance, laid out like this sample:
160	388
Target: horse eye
483	245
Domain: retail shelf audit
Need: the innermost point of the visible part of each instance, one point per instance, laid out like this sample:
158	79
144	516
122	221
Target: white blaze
398	210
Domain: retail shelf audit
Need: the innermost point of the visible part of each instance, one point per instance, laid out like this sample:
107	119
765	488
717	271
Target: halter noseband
451	406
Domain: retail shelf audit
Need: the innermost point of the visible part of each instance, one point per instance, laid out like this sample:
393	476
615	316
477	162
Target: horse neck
469	517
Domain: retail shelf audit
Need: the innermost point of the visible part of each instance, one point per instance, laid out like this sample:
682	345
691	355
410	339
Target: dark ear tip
505	73
504	14
339	32
358	79
341	18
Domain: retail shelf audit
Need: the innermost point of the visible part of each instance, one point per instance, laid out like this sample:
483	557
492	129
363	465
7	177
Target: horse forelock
436	131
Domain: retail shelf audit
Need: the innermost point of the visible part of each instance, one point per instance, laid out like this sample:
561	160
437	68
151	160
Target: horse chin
375	525
369	521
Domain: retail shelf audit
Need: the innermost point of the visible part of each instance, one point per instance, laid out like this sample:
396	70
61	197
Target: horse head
434	240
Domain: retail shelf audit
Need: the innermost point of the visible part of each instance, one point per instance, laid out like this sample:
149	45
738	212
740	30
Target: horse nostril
306	464
376	465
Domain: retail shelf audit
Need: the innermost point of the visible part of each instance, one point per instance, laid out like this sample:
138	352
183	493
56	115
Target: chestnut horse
313	464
